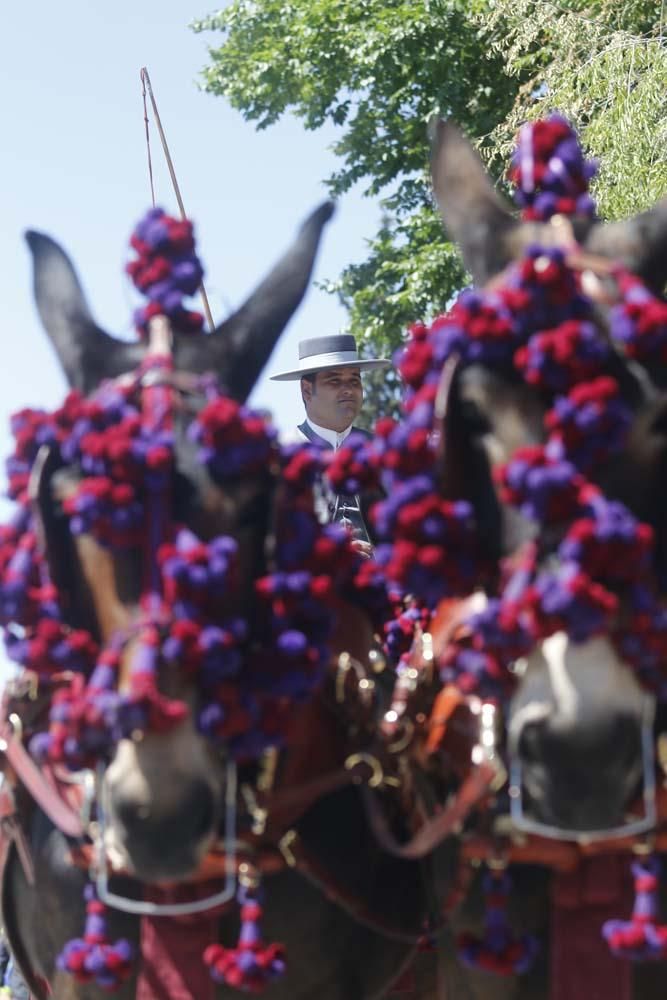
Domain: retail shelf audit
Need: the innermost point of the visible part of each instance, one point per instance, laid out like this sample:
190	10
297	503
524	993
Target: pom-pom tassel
640	938
499	950
93	957
252	964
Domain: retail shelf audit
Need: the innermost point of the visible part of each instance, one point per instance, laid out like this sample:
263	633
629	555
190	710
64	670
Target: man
330	374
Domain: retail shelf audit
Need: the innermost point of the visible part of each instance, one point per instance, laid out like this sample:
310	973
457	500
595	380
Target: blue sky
73	164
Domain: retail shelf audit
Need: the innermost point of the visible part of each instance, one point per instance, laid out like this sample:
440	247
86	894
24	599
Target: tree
379	69
606	68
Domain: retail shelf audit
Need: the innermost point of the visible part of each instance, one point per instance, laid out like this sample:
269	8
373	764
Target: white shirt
334	438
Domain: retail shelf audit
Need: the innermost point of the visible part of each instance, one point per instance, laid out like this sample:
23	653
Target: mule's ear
55	538
474	215
240	347
639	243
464	471
86	353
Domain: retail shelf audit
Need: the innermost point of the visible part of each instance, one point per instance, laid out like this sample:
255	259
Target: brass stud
377	661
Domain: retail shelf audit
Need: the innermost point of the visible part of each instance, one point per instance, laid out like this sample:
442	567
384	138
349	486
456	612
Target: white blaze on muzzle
561	678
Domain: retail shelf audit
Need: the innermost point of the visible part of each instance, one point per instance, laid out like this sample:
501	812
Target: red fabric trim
172	967
406	984
582	967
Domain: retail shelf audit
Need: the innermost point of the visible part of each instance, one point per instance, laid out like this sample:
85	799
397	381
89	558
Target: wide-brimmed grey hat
336	351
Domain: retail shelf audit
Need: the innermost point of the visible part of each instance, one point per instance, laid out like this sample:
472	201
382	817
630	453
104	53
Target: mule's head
578	715
163	789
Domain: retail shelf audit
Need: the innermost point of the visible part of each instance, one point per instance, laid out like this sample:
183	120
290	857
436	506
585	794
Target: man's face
334	400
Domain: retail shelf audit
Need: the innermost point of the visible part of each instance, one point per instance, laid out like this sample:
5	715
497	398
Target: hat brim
369	364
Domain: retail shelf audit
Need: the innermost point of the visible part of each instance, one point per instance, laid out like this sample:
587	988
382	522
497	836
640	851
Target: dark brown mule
489	414
348	914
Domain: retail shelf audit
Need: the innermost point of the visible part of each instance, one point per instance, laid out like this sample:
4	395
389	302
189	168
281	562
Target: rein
147	88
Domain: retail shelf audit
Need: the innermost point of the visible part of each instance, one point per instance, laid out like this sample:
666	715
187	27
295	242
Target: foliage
604	64
379	69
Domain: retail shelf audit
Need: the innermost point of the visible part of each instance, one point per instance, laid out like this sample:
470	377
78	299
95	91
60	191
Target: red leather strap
45	794
172	949
582	967
444	823
406	986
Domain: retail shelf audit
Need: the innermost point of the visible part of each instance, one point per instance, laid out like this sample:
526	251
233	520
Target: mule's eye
476	421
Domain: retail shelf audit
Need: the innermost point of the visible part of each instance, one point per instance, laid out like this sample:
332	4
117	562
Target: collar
334	438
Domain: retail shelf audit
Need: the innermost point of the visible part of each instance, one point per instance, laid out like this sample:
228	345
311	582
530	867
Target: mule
349	915
591	706
581	732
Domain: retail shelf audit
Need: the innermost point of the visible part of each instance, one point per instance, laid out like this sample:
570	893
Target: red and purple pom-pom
252	964
93	958
499	950
641	937
550	171
165	270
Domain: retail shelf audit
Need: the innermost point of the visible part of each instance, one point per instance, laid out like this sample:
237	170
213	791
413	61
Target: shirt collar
334	438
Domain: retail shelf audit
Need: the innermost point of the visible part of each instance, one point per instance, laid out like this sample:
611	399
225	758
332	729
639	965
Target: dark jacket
340	507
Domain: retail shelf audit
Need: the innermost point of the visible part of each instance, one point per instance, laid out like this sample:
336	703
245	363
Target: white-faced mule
525	513
178	731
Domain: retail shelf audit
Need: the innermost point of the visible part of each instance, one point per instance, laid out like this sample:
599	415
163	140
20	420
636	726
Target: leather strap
582	967
286	806
13	831
563	857
445	823
42	791
172	947
267	859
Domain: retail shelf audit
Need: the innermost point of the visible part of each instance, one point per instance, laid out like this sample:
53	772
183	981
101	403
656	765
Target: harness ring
377	774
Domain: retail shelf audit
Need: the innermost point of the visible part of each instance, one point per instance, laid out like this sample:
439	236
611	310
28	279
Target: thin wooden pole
146	83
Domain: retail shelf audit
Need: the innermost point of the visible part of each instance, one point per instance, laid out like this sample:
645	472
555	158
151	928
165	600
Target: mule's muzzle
166	842
581	778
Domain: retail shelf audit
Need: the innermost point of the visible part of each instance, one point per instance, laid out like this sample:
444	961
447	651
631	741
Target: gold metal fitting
365	686
344	667
377	661
267	770
285	847
376	776
407	730
17	726
661	751
248	876
32	680
257	813
642	848
427	646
